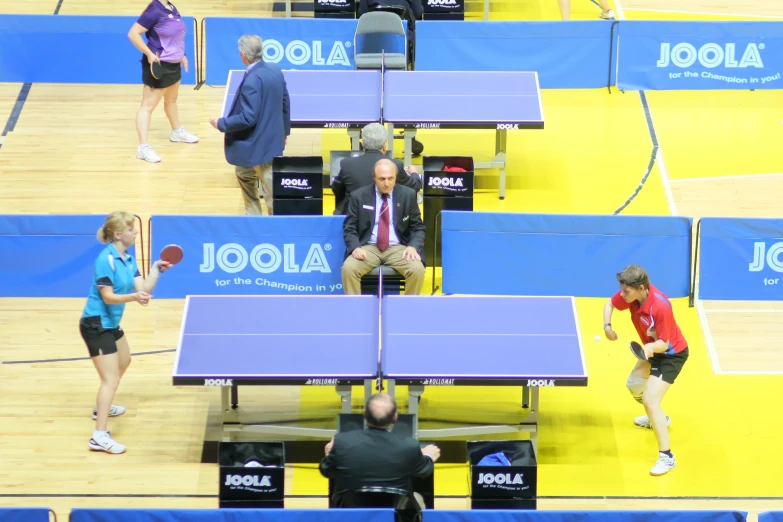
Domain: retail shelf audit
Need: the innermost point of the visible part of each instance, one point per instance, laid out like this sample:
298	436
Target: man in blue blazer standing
258	124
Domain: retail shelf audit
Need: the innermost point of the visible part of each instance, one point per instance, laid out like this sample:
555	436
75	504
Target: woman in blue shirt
116	281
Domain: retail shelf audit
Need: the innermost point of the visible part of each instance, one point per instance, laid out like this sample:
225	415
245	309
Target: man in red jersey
664	346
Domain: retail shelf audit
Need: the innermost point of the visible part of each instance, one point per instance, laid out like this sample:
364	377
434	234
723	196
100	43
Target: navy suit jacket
260	118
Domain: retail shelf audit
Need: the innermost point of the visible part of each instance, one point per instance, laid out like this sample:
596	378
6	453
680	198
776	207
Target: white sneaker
664	465
182	136
114	411
643	422
102	441
145	152
608	15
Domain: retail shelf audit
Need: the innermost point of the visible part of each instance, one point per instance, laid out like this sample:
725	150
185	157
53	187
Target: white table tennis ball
597	338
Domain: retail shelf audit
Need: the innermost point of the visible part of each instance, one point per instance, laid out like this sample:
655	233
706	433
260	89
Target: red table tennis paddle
638	351
172	254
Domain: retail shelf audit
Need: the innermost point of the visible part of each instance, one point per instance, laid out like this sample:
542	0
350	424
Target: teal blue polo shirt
110	270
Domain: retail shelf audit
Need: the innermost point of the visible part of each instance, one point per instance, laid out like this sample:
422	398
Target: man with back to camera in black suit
383	226
356	173
375	456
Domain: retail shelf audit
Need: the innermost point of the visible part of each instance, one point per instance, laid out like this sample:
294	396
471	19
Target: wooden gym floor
72	151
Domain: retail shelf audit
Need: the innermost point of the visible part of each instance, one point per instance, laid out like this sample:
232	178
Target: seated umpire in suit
375	456
356	173
383	226
257	127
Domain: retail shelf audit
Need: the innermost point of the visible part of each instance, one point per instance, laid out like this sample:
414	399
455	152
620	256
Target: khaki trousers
248	178
353	269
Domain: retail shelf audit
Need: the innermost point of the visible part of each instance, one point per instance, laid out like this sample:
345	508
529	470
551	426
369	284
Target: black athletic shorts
99	340
172	73
668	367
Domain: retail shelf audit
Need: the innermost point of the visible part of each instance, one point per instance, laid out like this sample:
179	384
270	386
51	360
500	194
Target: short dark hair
387	419
634	276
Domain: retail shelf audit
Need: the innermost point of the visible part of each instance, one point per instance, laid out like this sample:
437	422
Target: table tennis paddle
156	68
172	254
638	351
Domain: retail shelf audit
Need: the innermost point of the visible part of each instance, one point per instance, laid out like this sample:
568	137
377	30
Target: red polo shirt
656	311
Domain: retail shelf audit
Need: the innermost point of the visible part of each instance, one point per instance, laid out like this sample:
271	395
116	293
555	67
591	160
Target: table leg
390	387
409	135
525	396
390	139
354	135
234	397
368	383
415	392
500	155
230	416
344	391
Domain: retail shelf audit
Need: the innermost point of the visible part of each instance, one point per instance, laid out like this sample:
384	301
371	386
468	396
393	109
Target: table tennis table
412	100
341	341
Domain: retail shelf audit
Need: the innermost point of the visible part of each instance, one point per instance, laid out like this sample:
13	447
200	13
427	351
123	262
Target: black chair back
405	505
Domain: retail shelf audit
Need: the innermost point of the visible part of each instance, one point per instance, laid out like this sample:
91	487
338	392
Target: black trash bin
252	475
444	190
298	185
503	487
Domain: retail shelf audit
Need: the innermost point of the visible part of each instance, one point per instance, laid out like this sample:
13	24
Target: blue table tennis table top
326	340
414	99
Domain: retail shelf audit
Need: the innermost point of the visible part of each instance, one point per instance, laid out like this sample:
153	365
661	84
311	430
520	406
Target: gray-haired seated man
357	172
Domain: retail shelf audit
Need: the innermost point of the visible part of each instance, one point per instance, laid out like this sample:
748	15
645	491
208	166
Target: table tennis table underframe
236	421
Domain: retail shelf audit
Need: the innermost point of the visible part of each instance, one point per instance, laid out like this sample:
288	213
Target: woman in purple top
165	44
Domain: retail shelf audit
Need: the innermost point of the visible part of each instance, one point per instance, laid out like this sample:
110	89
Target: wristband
607	324
155	271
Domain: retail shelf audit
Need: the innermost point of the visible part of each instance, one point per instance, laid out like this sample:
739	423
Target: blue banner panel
771	516
227	255
563	255
741	258
231	515
48	255
566	56
44	48
317	44
582	516
24	514
700	55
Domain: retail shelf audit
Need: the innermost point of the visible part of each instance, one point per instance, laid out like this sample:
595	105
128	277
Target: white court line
620	11
708	339
278	334
181	334
718	178
740	311
741	15
705	327
478	335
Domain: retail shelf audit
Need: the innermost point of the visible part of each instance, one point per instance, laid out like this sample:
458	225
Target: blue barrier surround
771	516
573	55
700	55
26	515
582	516
48	255
740	259
106	56
280	255
569	255
231	515
323	44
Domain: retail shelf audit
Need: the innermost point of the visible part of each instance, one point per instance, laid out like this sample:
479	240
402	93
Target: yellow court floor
718	157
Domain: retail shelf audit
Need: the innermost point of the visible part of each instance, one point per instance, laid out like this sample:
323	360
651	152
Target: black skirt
172	73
